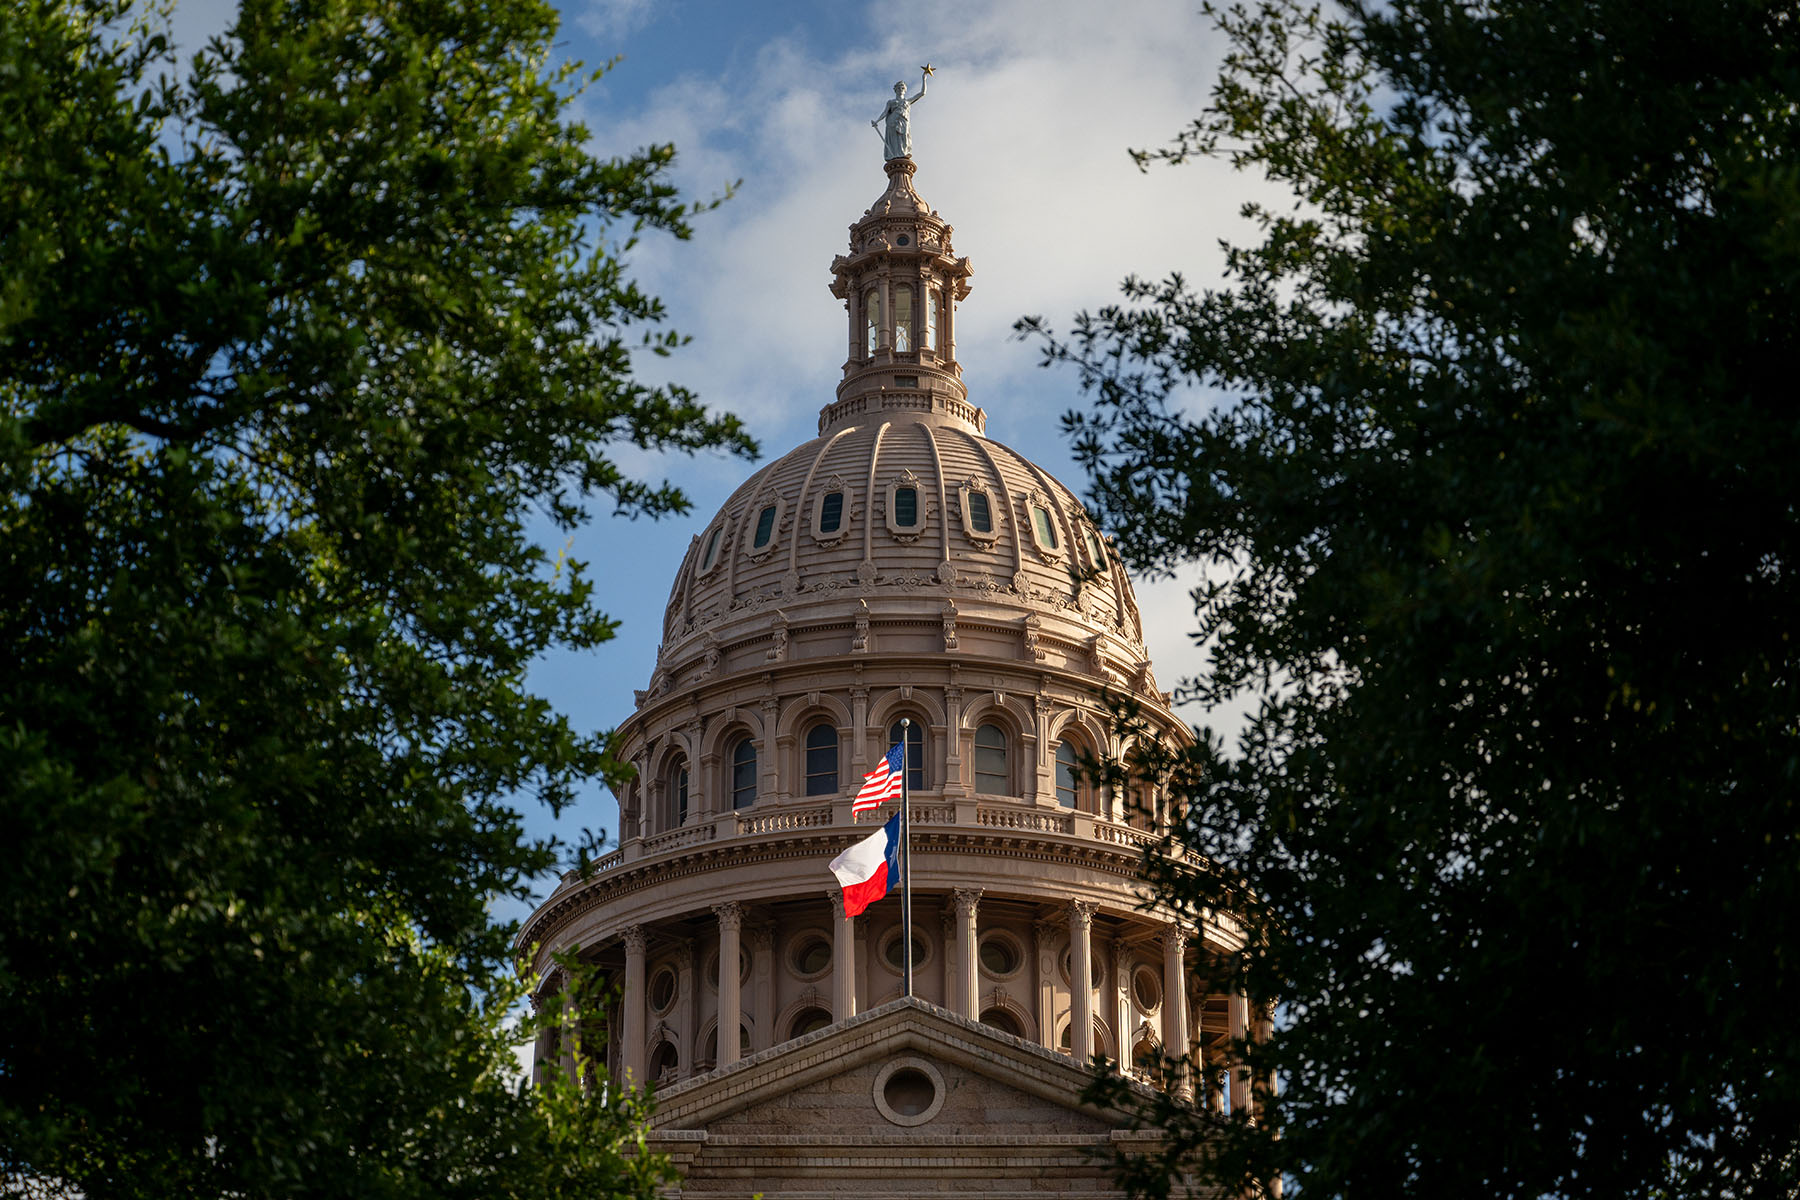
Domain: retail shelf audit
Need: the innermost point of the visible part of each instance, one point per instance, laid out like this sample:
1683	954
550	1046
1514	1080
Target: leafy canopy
1496	492
293	342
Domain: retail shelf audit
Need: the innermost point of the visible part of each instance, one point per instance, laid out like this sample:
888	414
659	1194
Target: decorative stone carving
1034	649
859	644
778	652
949	618
730	914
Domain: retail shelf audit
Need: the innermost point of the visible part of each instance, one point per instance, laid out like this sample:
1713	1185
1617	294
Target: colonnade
962	986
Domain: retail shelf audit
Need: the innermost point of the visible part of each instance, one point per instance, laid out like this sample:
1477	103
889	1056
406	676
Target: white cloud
611	20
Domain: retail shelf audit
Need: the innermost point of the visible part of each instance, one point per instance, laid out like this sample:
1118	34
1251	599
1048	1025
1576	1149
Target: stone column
967	900
884	339
861	954
762	983
1239	1008
1175	1014
1044	958
1081	980
950	960
731	923
859	720
632	1052
843	959
1118	1001
687	977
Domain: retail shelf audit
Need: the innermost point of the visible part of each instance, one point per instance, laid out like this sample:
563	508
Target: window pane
872	318
743	774
991	776
931	320
712	548
981	517
1045	530
1065	775
822	761
903	318
681	789
765	527
831	512
906	507
915	752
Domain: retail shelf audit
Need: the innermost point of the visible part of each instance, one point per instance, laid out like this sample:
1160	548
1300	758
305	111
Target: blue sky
1022	145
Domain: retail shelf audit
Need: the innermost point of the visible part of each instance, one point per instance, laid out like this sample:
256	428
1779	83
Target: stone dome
899	578
910	511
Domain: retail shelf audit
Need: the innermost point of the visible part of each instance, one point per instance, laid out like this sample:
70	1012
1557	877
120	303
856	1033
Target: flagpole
906	923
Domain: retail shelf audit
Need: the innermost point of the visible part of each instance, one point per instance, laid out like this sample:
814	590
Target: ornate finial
895	122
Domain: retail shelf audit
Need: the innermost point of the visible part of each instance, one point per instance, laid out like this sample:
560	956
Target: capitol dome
900	566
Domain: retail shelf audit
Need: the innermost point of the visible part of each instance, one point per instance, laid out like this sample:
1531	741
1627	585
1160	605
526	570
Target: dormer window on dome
710	556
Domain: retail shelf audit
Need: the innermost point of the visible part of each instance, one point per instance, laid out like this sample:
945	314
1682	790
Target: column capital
1081	913
836	896
636	939
1174	939
730	914
967	900
1047	932
762	937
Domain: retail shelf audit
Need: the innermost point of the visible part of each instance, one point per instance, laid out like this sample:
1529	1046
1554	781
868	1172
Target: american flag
881	784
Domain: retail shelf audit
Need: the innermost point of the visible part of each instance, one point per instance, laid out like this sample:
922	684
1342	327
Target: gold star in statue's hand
928	69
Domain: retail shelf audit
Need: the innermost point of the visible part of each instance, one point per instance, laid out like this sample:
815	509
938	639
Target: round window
1146	988
1096	974
1000	955
903	240
712	968
909	1091
662	989
893	954
810	955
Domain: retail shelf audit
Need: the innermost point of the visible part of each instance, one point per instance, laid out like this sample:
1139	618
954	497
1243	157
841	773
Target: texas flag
869	868
882	784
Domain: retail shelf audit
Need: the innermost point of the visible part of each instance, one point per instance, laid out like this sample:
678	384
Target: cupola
900	284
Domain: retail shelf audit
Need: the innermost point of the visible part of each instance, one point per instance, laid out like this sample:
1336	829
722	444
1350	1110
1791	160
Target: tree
1494	480
293	341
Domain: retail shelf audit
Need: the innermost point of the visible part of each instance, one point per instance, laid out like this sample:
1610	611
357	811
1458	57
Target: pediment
986	1082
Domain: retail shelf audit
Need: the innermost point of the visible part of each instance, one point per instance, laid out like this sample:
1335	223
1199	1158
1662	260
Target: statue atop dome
895	121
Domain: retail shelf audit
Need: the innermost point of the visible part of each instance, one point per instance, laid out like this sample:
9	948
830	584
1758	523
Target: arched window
915	751
1067	761
712	1043
678	794
1002	1020
743	774
903	318
872	319
808	1020
822	760
665	1064
931	319
992	776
